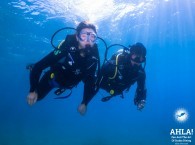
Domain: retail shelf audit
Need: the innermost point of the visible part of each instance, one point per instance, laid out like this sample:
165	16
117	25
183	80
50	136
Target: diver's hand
82	109
32	98
140	104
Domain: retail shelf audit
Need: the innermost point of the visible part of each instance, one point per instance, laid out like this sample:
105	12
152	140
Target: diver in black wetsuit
123	70
75	60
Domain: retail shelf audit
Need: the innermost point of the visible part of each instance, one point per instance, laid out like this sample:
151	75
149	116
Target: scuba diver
122	70
75	60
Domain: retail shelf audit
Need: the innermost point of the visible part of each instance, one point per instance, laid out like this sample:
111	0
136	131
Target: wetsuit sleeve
89	84
44	63
141	88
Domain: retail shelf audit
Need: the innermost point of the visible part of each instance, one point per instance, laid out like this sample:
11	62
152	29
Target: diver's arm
37	70
44	63
89	85
89	90
140	95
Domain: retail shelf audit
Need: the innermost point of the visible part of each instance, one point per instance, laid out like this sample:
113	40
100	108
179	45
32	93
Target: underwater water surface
165	27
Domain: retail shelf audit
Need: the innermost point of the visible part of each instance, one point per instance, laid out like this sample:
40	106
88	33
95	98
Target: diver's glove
140	104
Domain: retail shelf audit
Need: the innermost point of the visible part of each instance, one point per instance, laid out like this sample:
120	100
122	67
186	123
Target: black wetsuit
67	69
117	78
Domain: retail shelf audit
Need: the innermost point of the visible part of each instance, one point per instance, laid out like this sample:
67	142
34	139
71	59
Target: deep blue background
166	28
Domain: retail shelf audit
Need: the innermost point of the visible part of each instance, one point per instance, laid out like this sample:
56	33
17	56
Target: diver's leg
44	86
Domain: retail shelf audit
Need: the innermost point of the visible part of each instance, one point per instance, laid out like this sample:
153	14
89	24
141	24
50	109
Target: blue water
165	27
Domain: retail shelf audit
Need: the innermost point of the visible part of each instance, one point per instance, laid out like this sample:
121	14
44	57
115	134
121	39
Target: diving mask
87	36
138	59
